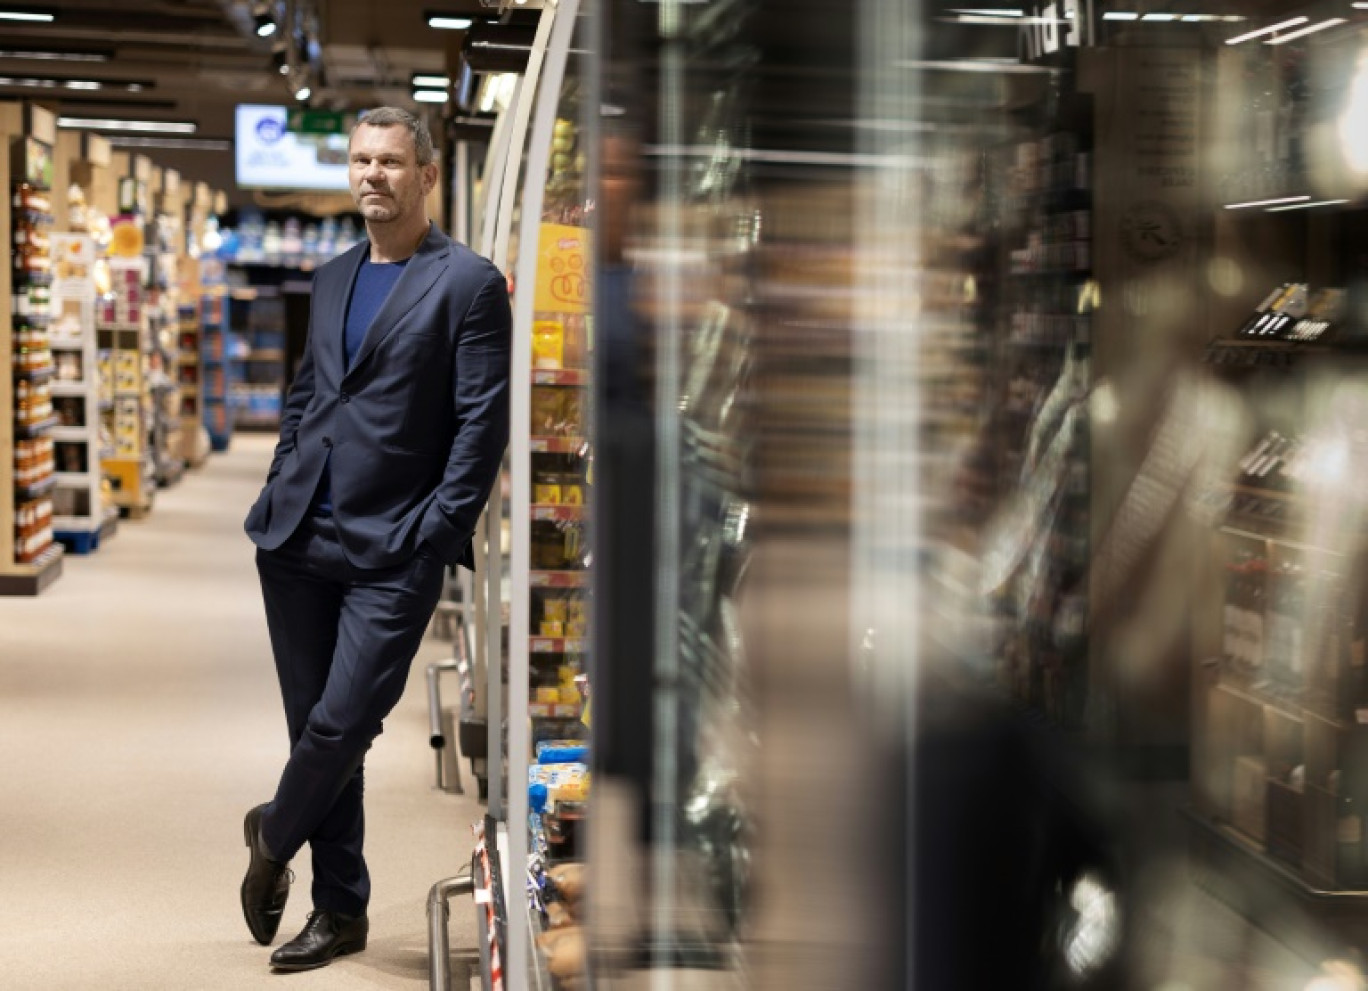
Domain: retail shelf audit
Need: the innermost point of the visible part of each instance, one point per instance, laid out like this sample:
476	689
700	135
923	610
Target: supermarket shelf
558	645
555	445
265	354
559	514
70	434
32	578
560	376
66	344
23	493
36	375
559	579
38	429
541	710
72	478
64	388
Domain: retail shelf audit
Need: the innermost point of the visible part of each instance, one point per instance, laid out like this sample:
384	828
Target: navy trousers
343	639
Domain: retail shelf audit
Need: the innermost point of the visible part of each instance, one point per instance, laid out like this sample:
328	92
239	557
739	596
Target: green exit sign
318	122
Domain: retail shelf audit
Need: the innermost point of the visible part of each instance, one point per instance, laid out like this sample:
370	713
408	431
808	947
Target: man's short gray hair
397	116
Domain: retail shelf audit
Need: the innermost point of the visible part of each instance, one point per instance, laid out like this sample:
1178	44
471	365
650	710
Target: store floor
139	720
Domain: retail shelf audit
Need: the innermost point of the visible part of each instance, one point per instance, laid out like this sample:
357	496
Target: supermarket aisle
139	720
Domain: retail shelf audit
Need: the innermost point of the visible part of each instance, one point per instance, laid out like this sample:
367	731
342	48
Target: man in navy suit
390	441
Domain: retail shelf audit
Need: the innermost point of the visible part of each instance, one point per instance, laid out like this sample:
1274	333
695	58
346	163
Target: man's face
386	180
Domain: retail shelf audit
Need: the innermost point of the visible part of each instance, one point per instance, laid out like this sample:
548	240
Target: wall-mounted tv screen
271	157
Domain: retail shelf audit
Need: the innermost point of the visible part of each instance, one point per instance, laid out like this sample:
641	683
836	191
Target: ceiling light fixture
1306	206
429	80
448	22
115	124
1272	28
431	95
1303	32
1160	17
265	25
54	55
303	93
988	12
80	82
1120	15
1273	202
39	16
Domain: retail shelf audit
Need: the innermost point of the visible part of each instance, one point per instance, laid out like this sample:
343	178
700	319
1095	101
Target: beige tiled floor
139	720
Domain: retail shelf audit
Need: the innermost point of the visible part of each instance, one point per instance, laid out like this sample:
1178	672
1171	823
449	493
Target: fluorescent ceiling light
52	82
1120	15
114	124
1273	202
989	12
180	144
303	93
26	15
55	55
1306	206
972	65
1359	6
1160	17
431	95
265	25
1268	30
1312	29
430	80
445	23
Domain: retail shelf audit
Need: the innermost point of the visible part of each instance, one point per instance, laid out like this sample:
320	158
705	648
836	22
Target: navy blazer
416	427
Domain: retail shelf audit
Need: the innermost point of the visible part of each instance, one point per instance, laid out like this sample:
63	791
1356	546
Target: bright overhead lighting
52	82
303	93
113	124
1306	206
1272	28
26	15
445	23
1120	15
265	25
54	55
1189	18
179	144
431	81
431	95
1160	17
1273	202
1359	6
989	12
1312	29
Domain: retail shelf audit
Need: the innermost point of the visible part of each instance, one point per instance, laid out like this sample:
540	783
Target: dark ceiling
194	60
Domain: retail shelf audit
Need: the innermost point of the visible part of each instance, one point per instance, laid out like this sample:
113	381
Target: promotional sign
563	260
271	156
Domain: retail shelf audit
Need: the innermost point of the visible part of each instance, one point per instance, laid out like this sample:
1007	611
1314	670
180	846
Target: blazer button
327	442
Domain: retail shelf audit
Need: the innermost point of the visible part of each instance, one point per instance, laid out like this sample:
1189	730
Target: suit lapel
418	277
331	299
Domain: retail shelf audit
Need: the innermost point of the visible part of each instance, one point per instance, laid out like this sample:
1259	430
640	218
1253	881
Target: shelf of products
124	335
216	366
258	361
80	512
30	558
189	380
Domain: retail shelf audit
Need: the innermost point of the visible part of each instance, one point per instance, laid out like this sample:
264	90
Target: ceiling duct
491	47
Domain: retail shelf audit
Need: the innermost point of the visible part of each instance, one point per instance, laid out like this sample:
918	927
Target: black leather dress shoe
266	886
326	935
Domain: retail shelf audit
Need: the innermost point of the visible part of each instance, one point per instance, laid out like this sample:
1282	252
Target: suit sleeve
480	394
301	394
